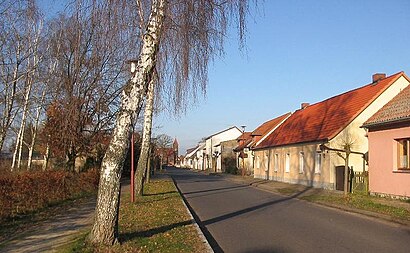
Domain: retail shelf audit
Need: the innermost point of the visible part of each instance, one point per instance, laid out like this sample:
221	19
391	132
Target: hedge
30	191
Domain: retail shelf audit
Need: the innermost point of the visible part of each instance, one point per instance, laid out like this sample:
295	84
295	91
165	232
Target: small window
266	162
318	162
276	162
403	154
301	162
287	163
257	162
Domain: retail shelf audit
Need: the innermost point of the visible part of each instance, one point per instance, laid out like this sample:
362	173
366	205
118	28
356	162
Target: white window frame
276	162
318	162
301	162
403	154
287	163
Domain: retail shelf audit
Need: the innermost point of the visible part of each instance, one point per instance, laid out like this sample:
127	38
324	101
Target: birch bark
34	131
106	212
20	135
146	140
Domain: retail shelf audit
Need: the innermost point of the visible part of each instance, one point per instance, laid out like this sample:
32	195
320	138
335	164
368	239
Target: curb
200	229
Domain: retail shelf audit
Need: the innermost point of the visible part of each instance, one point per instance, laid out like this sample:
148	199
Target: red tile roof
266	127
324	120
396	110
244	139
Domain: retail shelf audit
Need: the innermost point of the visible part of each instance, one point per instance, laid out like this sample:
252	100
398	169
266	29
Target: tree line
78	83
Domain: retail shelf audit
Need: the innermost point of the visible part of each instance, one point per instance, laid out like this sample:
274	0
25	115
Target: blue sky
297	51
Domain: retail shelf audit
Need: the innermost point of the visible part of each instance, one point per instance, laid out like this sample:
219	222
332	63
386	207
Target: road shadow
161	193
216	189
251	209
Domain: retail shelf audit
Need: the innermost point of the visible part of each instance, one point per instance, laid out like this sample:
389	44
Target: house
248	140
227	155
168	155
244	156
211	157
300	150
389	147
189	157
200	154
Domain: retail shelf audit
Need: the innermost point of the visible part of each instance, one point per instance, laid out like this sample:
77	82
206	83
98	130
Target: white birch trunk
34	132
106	212
20	135
10	99
46	157
146	139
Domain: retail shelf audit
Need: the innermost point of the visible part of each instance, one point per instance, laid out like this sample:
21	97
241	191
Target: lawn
362	202
156	222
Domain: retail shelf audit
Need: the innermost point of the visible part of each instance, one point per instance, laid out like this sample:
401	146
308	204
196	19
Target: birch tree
143	159
14	54
180	38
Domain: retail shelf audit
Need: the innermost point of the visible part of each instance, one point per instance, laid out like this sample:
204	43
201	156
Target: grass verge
361	202
156	222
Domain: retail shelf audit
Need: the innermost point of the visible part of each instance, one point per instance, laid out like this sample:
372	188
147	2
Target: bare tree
14	54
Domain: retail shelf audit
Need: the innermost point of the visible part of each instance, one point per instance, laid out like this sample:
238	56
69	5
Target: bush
230	165
31	191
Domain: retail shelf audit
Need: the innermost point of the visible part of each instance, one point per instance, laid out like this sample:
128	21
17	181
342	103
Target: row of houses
367	128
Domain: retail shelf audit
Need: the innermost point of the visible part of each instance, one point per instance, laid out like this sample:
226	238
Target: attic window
403	154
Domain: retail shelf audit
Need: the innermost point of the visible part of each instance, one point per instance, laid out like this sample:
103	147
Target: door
340	175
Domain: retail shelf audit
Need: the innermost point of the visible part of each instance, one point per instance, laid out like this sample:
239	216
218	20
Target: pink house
389	147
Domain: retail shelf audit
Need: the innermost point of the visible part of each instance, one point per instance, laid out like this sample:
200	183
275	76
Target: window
257	162
276	162
287	163
266	162
301	162
403	154
318	162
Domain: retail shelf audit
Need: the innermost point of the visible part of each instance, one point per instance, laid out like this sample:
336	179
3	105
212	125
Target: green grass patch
288	190
156	222
362	202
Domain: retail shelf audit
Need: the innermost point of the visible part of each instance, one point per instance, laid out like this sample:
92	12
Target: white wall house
212	151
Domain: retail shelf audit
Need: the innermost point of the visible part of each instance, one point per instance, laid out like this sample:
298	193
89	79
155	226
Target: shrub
230	165
31	191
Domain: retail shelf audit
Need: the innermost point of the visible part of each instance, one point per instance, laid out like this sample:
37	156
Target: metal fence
360	182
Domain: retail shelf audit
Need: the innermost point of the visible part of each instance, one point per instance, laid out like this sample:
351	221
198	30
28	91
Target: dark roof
324	120
396	110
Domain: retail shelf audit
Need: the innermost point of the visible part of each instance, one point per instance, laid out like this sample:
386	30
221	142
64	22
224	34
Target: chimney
378	76
304	105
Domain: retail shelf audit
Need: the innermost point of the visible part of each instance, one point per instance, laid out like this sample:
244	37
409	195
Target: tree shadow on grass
160	193
124	237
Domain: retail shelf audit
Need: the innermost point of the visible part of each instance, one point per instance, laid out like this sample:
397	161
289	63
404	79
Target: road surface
241	218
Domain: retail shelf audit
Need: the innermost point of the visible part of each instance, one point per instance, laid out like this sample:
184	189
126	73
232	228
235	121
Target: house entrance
340	175
340	178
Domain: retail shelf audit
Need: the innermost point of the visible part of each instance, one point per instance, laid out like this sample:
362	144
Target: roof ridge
358	88
396	76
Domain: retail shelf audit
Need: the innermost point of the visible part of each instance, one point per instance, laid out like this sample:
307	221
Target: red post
132	168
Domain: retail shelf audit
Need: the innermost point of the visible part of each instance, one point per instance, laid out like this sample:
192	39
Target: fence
360	182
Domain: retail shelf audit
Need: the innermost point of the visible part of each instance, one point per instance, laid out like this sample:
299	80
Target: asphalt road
241	218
